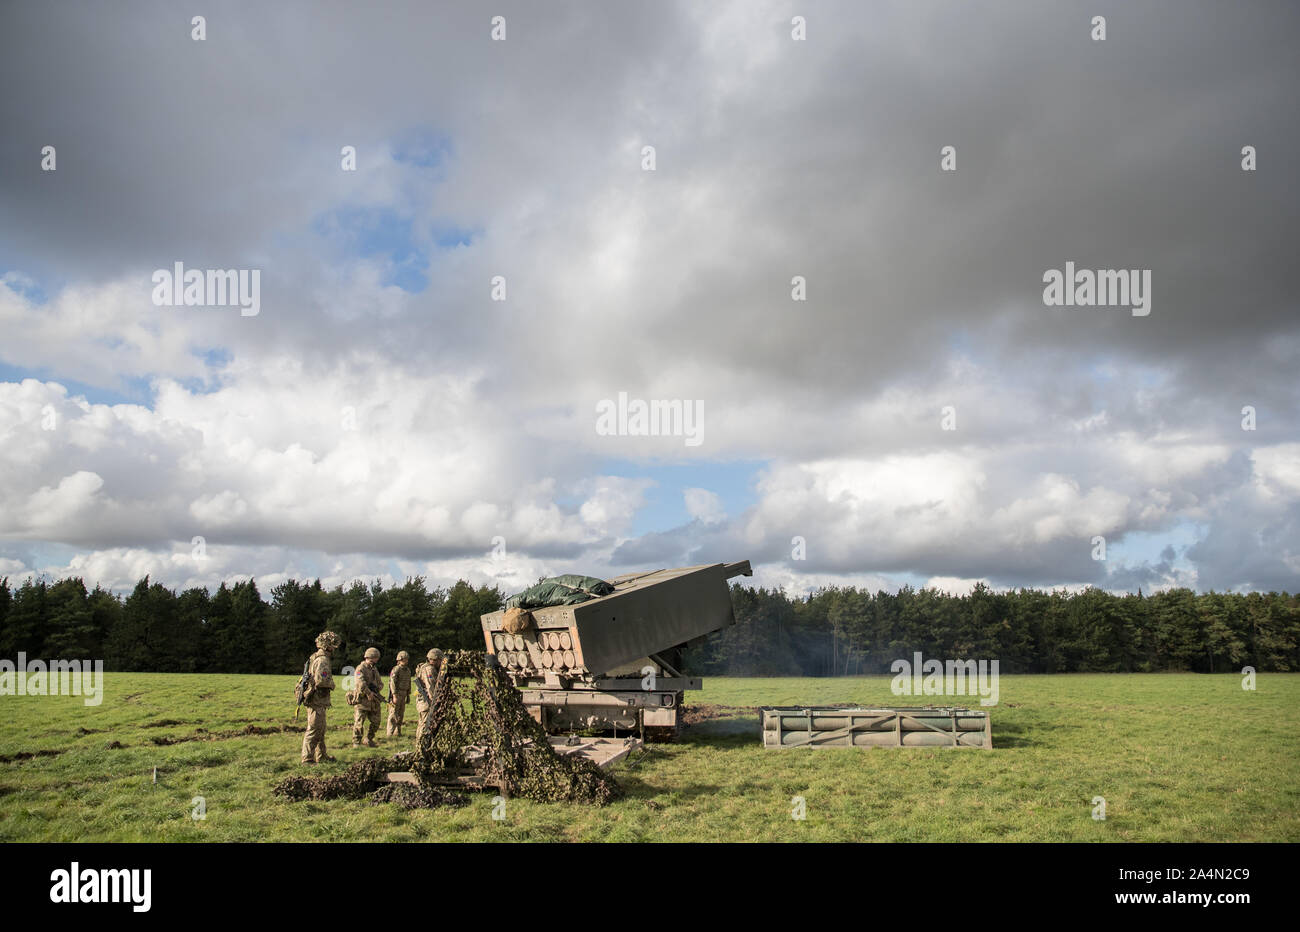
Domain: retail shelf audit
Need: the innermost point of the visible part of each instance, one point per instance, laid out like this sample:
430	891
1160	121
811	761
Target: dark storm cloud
776	158
1112	154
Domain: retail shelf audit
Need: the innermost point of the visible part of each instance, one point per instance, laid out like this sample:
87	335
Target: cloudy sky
922	417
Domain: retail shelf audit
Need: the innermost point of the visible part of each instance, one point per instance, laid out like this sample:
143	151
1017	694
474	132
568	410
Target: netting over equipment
477	723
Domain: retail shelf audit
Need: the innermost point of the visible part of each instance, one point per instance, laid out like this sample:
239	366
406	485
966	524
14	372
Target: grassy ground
1177	758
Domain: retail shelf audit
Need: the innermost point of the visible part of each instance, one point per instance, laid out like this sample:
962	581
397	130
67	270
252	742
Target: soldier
369	696
426	676
317	698
399	692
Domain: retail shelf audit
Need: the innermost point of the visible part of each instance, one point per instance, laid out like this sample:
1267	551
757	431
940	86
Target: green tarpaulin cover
568	589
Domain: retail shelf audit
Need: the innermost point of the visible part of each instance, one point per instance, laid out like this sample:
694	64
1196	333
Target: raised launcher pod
614	663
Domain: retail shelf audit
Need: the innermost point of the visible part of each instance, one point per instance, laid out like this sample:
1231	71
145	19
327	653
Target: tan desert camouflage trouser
424	718
313	742
363	718
396	712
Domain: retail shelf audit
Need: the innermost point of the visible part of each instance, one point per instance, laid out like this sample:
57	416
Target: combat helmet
402	655
327	640
372	653
434	655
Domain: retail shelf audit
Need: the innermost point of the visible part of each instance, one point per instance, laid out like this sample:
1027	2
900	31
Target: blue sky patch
453	237
22	284
423	148
1154	547
371	232
665	508
132	390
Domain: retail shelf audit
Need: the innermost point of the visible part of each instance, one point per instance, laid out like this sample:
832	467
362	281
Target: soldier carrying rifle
314	692
426	677
399	692
366	699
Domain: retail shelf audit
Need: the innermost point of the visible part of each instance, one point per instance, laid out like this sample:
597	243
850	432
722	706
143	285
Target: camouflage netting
416	797
474	704
358	780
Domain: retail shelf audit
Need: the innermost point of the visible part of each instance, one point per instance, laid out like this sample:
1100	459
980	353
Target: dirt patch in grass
258	730
202	734
707	712
26	755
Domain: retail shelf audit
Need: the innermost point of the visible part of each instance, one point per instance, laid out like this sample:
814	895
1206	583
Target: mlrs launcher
614	662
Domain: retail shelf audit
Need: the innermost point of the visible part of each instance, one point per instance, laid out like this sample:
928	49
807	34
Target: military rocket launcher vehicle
613	663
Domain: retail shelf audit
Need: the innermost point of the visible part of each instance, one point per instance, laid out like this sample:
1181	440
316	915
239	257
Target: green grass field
1177	758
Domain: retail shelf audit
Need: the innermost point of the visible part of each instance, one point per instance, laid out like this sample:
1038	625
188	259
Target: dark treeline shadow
832	632
845	631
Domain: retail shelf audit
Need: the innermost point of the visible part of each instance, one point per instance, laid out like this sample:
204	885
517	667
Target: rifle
419	688
304	684
377	694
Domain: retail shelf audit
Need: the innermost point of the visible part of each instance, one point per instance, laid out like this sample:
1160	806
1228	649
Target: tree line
235	630
839	631
831	632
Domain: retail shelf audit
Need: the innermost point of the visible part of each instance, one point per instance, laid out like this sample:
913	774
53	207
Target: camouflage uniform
399	693
427	674
367	707
322	682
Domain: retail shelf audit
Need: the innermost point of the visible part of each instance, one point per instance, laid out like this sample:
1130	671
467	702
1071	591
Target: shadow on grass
1009	736
724	728
636	789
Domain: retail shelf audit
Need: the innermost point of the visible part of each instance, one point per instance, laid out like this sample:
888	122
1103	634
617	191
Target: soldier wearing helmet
369	696
426	678
317	698
399	692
